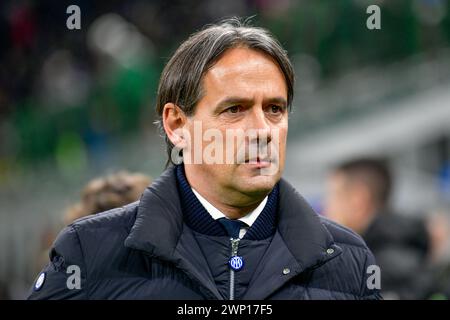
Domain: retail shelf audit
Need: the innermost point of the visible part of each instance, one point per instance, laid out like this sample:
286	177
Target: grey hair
181	79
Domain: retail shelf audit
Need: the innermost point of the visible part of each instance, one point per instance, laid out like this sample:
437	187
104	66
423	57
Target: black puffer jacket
145	251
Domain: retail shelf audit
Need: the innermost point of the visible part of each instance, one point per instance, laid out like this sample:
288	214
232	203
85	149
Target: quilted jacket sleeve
64	277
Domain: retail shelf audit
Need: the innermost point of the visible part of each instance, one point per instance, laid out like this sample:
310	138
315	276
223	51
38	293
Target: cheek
334	199
282	141
343	203
282	129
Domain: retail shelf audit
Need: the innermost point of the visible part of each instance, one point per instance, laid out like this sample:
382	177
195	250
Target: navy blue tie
232	226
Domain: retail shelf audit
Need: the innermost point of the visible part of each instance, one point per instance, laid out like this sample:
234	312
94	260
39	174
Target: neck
231	203
231	212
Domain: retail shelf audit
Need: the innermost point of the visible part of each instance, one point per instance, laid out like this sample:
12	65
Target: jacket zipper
234	250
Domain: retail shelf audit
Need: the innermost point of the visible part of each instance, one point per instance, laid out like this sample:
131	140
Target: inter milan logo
39	282
236	263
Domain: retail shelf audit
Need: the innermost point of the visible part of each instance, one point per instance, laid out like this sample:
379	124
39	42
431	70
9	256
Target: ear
174	119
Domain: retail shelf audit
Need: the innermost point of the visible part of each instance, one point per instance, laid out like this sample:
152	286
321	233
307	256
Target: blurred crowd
66	96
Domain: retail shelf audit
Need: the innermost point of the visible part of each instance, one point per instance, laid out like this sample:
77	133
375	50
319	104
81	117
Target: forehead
250	71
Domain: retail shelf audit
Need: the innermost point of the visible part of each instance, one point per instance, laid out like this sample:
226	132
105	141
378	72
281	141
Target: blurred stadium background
77	104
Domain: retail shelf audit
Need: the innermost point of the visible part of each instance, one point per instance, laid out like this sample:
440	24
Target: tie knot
232	226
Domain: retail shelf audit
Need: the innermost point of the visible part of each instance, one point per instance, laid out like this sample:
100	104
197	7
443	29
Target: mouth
258	162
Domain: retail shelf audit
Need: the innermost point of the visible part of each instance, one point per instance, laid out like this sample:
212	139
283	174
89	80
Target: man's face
338	202
348	202
245	91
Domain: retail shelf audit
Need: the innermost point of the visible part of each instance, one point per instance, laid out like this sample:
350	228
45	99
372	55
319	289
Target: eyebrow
243	100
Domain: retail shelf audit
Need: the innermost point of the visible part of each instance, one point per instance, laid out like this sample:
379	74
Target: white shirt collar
215	213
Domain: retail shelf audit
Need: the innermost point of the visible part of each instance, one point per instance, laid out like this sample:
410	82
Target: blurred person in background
358	197
105	193
100	194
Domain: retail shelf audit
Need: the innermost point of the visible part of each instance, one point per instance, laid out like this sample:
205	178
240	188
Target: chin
258	184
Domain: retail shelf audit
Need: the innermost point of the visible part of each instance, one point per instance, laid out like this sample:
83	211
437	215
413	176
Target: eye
233	109
275	109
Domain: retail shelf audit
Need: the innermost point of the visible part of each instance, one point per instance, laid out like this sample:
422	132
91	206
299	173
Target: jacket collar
159	218
301	229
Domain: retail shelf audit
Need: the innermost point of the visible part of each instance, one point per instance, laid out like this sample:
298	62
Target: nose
259	123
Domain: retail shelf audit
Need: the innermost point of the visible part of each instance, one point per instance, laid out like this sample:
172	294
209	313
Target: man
221	224
358	190
358	197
